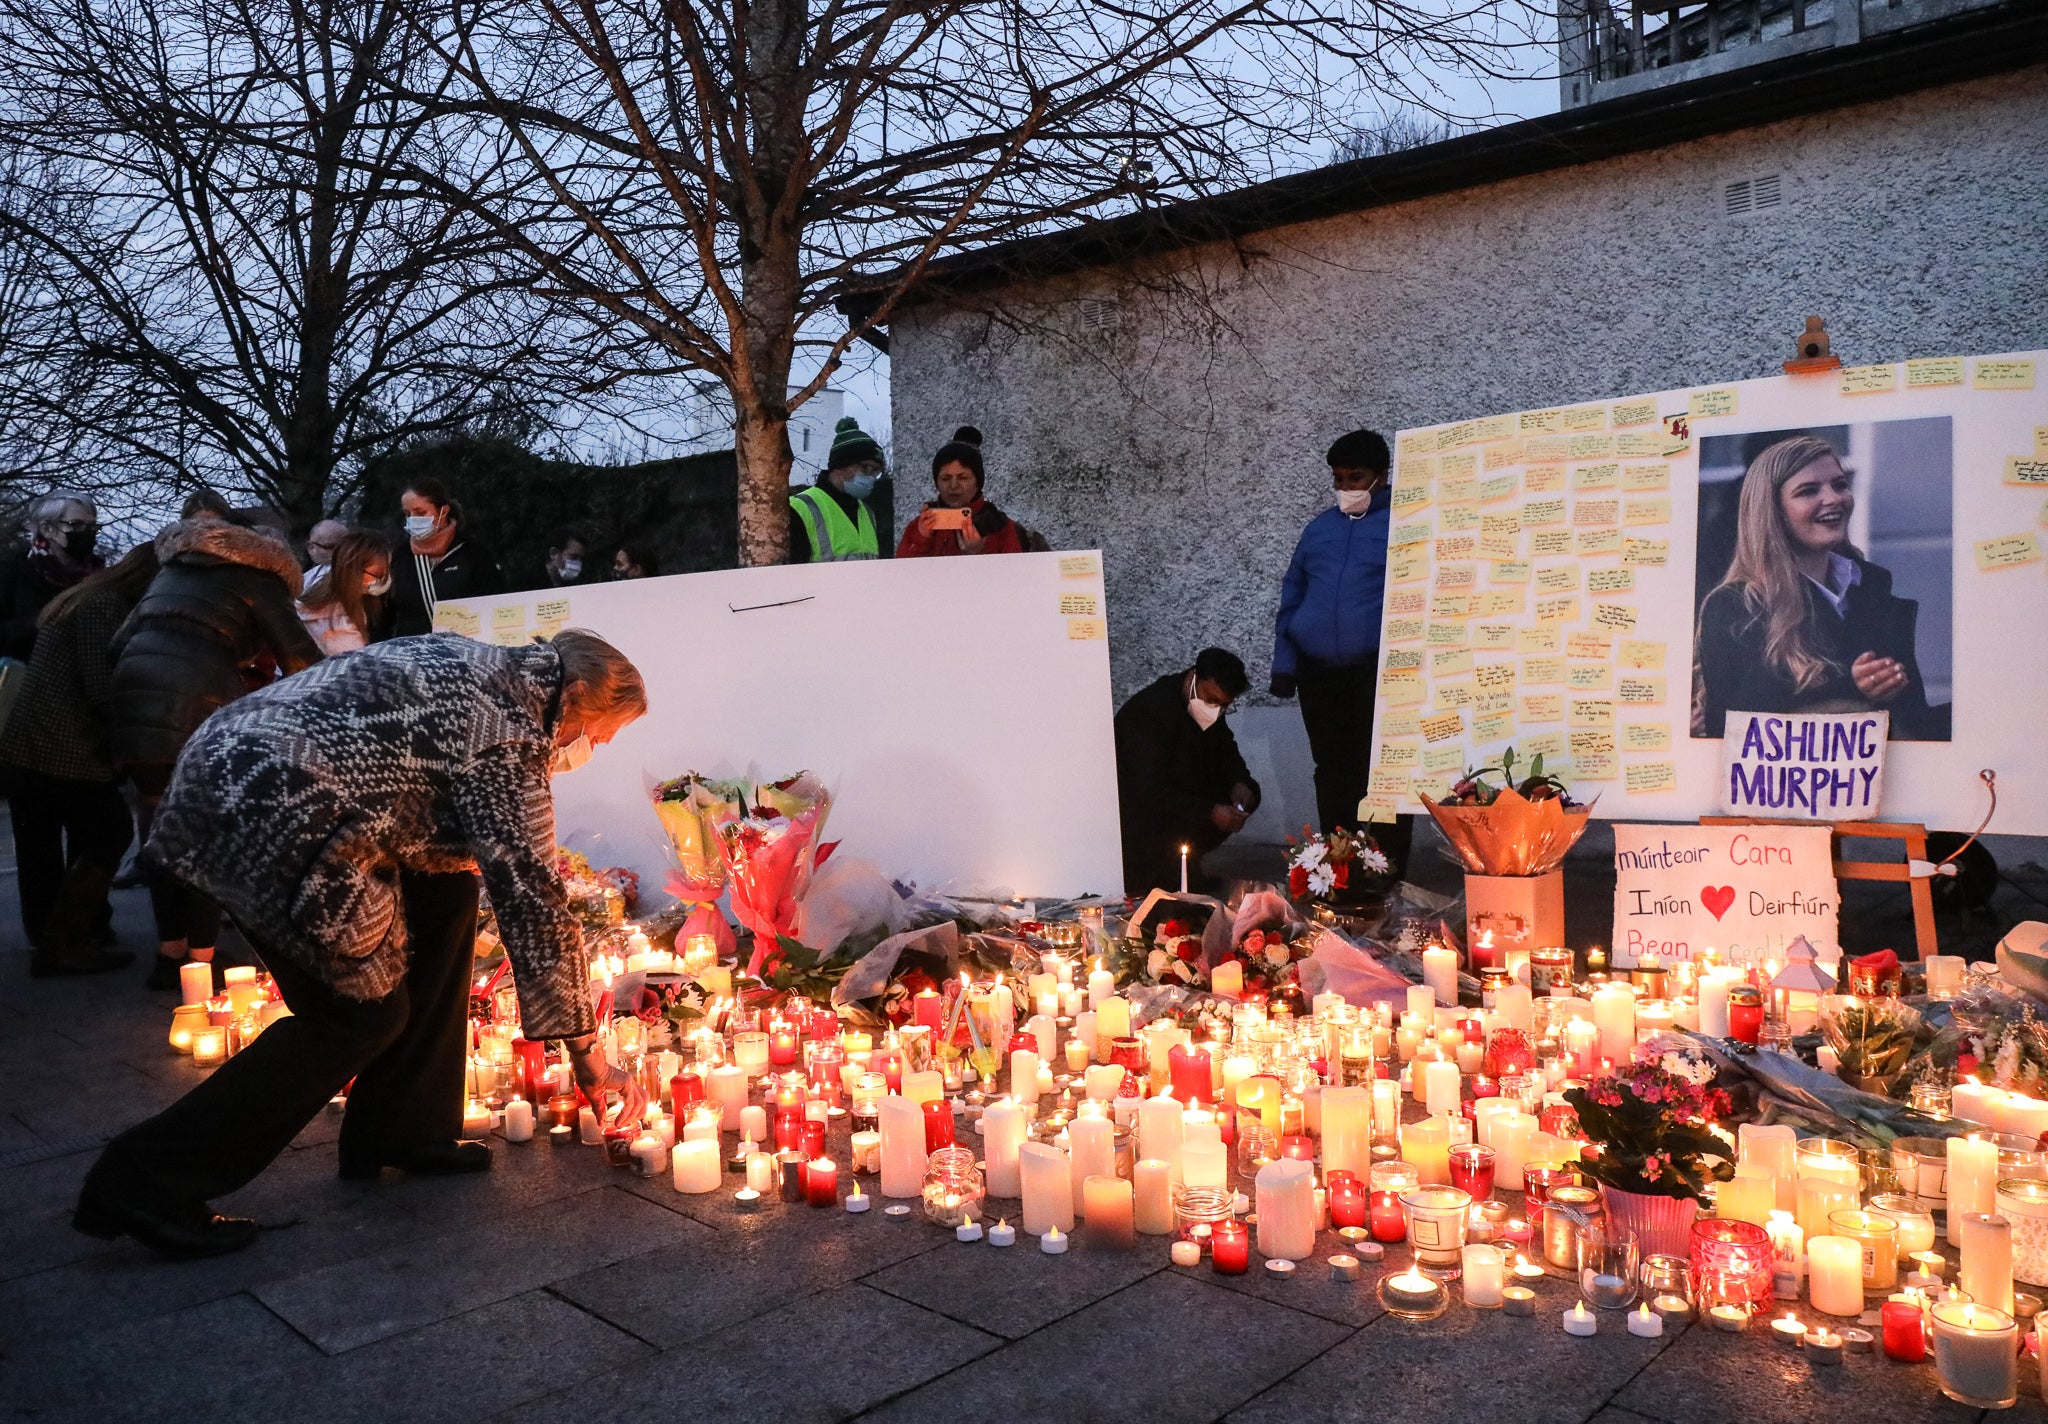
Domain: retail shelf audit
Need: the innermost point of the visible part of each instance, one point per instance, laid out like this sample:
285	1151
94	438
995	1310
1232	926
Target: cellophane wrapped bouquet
1524	827
770	849
691	808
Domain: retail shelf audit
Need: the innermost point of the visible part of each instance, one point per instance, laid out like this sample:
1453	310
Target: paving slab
1310	1286
826	1357
1012	1291
35	1230
1170	1348
432	1278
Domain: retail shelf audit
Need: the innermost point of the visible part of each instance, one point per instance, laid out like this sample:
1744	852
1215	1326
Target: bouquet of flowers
690	807
595	896
770	848
1647	1125
1521	827
1175	956
1270	957
1873	1040
1320	866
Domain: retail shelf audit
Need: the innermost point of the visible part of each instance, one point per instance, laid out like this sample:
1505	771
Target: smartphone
957	519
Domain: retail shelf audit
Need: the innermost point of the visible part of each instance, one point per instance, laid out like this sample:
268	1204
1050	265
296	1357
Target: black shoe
181	1234
163	975
425	1159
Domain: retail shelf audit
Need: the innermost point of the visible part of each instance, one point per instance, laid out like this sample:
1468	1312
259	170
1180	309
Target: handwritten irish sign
1804	767
1746	891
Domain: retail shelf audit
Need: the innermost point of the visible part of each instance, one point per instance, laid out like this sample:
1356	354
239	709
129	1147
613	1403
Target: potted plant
1649	1147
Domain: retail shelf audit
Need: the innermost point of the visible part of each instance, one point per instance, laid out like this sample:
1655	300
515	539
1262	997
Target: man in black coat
1180	778
64	532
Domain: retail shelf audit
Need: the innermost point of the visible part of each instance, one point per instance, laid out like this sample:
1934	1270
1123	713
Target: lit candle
1347	1131
1047	1188
1614	1016
1108	1211
1112	1021
1905	1328
1186	1253
1975	1350
1440	973
1984	1272
1152	1186
903	1153
1091	1152
1286	1207
821	1182
1834	1271
1230	1248
209	1046
696	1167
1645	1323
760	1172
1101	987
519	1121
649	1154
728	1088
1751	1196
1485	1273
1427	1145
1512	1133
1227	980
1972	1182
1053	1242
1790	1331
1002	1233
1203	1163
1024	1072
195	981
1440	1094
1580	1321
1160	1125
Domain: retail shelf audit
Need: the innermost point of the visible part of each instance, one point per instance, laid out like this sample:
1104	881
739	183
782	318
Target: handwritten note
1449	662
1537	640
1587	644
1493	635
1640	653
1080	605
1719	401
459	621
508	615
1867	380
1586	512
1550	541
1079	565
1087	630
1647	509
1538	671
2004	375
1559	578
1934	371
1399	754
1544	479
1493	727
1646	477
1564	609
1542	511
1597	541
2008	552
2020	471
1543	706
1618	617
1646	737
1640	691
1443	727
1647	776
1589	677
1646	553
1592	713
1596	477
1622	580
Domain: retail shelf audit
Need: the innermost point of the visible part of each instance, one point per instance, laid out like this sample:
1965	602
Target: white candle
1984	1272
1202	1163
1024	1073
1516	1007
1944	975
1045	1029
1227	979
1580	1321
1101	989
195	982
1003	1131
1713	1011
1976	1352
1286	1196
1440	973
1107	1211
1112	1021
696	1167
1152	1183
1091	1147
727	1087
1484	1113
1582	1042
927	1087
519	1121
1102	1081
761	1173
754	1122
1347	1130
1512	1132
1159	1130
1440	1087
650	1155
1972	1182
702	1126
1427	1145
903	1154
1771	1151
1614	1015
1485	1276
1386	1109
1048	1189
1645	1323
1834	1271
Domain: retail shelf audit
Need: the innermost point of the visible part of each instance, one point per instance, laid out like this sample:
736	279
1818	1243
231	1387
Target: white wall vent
1098	314
1749	195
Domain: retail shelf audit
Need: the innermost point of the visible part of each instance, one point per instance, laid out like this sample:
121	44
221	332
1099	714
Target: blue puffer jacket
1335	588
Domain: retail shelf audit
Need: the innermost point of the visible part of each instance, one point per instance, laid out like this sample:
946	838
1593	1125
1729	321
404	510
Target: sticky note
1407	602
1539	671
1648	444
1592	712
1457	546
1585	417
1378	810
1594	512
1544	449
2003	375
1499	602
1542	511
1588	447
1458	693
1400	722
1493	675
1596	541
1450	605
1636	412
2008	552
1559	578
1646	776
1403	630
1389	782
1491	524
1645	553
1499	487
1410	468
1406	565
1509	571
2019	471
1536	420
1545	744
1080	605
1404	657
508	615
1562	609
1590	739
1543	707
1399	754
1443	726
551	610
1646	509
1719	401
1079	565
2041	441
1499	546
1401	687
1087	630
1537	640
1406	501
1499	700
1499	457
1493	727
1543	479
1596	477
1646	477
1587	643
1640	691
1934	371
1550	541
1447	634
1416	532
1589	677
1456	576
457	620
1457	467
1448	662
1452	436
508	637
1640	653
1493	635
1457	518
1646	737
1616	616
1867	380
1622	580
1443	759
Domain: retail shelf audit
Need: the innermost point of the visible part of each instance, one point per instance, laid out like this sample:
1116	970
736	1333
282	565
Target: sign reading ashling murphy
1816	766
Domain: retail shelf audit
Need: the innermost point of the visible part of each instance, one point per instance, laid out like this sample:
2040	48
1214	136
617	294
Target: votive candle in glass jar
1877	1236
1472	1169
1739	1254
750	1052
1390	1182
1976	1351
1916	1223
1230	1248
953	1187
1566	1210
1347	1201
2024	1203
1904	1323
1436	1228
1608	1259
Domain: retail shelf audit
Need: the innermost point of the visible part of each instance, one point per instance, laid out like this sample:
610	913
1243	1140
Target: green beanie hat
851	445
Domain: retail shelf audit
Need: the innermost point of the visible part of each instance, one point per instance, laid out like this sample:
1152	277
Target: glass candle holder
1566	1211
1609	1262
2024	1203
1976	1351
1736	1254
1829	1159
1230	1248
1877	1236
1347	1202
1436	1229
1472	1169
1197	1211
953	1187
1915	1221
1413	1295
1389	1182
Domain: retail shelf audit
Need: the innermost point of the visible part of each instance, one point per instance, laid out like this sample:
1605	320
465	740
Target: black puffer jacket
222	601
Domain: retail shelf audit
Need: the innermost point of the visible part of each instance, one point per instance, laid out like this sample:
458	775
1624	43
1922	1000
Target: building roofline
1975	44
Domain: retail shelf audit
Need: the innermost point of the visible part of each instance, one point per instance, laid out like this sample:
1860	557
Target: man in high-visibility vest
828	521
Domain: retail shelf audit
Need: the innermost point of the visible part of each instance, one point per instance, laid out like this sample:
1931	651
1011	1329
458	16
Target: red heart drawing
1717	898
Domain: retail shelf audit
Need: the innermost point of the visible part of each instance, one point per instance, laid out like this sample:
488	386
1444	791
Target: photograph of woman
1802	620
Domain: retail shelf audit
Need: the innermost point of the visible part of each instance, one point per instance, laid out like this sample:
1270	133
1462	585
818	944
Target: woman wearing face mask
961	521
343	610
1326	639
828	522
344	817
1803	622
439	561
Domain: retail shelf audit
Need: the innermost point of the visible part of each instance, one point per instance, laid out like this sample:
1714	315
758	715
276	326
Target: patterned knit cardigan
297	807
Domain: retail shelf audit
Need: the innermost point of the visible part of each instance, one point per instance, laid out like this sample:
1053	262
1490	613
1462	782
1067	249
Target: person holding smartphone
960	521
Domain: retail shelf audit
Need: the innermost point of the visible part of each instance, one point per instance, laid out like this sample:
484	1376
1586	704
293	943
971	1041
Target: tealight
1413	1296
1580	1321
1187	1253
1002	1233
1823	1346
967	1231
747	1199
1731	1318
1054	1242
1646	1324
1345	1268
1518	1300
1789	1332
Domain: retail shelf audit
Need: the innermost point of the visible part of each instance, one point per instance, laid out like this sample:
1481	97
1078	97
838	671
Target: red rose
1188	950
1297	882
1343	870
1255	941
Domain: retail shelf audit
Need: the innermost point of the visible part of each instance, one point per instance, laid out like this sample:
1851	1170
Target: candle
903	1154
821	1182
195	982
1347	1129
1819	1199
1108	1211
1203	1163
1091	1151
1440	974
1047	1188
1053	1242
1877	1237
1972	1182
1152	1187
209	1046
649	1155
1512	1133
1002	1233
1905	1329
1230	1248
696	1167
1485	1272
1427	1146
760	1172
1984	1272
1101	988
1751	1196
1286	1205
519	1121
1834	1270
1976	1353
1112	1021
1731	1318
1789	1332
1645	1323
1160	1126
1582	1043
728	1089
1186	1253
1580	1321
1024	1073
1440	1088
925	1087
1614	1016
1823	1346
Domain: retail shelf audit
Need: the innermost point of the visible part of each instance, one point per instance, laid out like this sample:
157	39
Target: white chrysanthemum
1322	880
1312	855
2007	1065
1156	962
1374	859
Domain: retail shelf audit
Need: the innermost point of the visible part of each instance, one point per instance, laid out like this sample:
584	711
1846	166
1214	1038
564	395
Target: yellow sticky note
1719	401
2008	552
1457	518
1533	421
2041	441
459	621
1543	707
1493	635
1457	467
1390	782
1457	546
1450	605
551	610
1378	810
1646	737
1449	662
1538	672
1649	776
1404	658
1403	630
1559	578
1646	477
1639	691
2003	375
1399	754
1447	634
1443	726
1499	546
1499	487
1509	571
1499	603
1867	380
1411	468
1621	580
1457	693
1588	447
1407	602
1493	727
508	615
1079	565
1582	418
1400	722
508	637
1405	501
1080	605
1443	759
2020	471
1596	541
1635	412
1087	630
1562	609
1640	653
1544	744
1614	616
1596	738
1537	640
1594	513
1542	511
1491	676
1596	477
1454	577
1645	553
1415	532
1545	449
1499	456
1550	541
1494	524
1589	677
1646	509
1401	687
1934	371
1648	444
1587	643
1409	564
1543	479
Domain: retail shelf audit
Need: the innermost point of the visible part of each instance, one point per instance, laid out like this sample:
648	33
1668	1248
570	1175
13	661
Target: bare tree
224	215
721	173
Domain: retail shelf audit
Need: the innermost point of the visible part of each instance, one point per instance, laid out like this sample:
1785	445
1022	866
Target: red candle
1475	1030
1388	1222
1189	1068
685	1091
889	1063
927	1009
1230	1248
821	1182
789	1129
532	1054
782	1046
824	1024
814	1137
1472	1169
938	1125
1347	1203
1905	1331
1298	1148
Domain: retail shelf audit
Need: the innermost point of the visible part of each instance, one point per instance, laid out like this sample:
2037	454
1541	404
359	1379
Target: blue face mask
861	486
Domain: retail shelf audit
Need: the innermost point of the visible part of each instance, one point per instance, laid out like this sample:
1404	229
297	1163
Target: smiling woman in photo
1803	622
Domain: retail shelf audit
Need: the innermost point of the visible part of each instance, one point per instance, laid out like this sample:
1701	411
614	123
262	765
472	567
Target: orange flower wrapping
1513	836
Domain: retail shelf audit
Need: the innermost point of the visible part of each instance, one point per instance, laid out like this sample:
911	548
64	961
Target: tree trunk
761	443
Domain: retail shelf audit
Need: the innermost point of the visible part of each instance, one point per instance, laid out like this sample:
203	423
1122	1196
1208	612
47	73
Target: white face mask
572	755
420	526
1354	501
1204	713
572	568
378	588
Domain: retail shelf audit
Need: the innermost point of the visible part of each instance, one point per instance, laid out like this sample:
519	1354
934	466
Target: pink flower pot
1663	1225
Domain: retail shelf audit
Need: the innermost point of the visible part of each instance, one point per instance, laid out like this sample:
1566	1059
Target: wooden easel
1912	833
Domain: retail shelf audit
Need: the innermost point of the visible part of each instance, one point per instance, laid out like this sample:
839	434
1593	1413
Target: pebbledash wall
1175	412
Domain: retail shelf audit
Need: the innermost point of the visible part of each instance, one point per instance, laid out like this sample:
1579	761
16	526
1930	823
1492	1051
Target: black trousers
181	913
1336	712
59	823
405	1052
